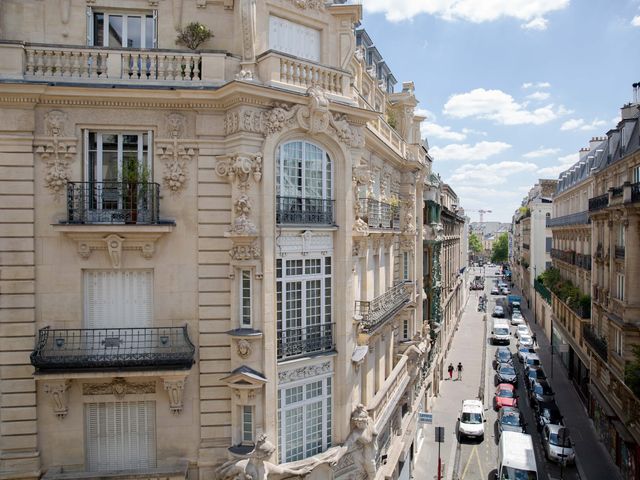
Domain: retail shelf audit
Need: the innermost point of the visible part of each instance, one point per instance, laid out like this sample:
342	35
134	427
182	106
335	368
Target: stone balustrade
385	400
78	64
389	136
279	69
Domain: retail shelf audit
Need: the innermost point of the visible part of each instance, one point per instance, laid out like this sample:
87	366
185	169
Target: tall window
117	157
294	39
117	29
620	240
245	298
620	286
636	174
120	435
405	265
303	297
304	171
619	346
247	424
304	419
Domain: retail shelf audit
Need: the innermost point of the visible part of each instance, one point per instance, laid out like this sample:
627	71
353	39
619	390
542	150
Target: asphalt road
475	459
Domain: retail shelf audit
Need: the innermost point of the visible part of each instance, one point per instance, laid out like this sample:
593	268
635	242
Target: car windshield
473	418
533	361
558	441
504	355
505	393
551	414
507	370
502	331
511	419
510	473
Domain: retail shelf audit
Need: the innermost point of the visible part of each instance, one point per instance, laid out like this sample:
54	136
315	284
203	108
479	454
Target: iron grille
617	191
599	202
375	312
635	192
305	211
580	218
113	348
379	214
597	343
113	202
300	341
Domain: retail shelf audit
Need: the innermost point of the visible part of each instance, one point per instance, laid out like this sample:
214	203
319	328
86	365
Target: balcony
281	69
305	341
379	214
619	252
617	192
583	261
304	211
374	313
90	349
113	203
599	202
581	218
635	192
543	291
595	342
567	256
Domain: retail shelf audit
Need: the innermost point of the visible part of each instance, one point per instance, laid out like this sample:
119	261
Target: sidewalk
592	459
466	347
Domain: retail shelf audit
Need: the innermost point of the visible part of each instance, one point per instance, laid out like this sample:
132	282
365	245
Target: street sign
440	434
425	417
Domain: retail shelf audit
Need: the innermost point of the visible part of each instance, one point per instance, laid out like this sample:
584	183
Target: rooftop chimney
632	110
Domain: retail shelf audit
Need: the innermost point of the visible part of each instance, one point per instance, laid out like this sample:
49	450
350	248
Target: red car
505	396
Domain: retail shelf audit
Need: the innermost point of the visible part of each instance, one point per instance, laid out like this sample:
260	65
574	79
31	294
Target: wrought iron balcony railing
583	261
599	202
113	202
542	290
307	340
379	214
84	349
617	192
304	211
375	312
580	218
597	343
619	251
635	192
568	256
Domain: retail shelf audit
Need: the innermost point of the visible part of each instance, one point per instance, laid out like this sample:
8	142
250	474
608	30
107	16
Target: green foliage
632	372
391	119
500	251
194	35
474	243
566	291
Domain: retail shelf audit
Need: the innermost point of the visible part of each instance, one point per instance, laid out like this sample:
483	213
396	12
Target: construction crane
481	212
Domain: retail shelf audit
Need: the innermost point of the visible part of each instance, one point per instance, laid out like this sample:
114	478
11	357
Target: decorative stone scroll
175	389
309	4
119	387
57	391
57	151
176	153
245	252
241	167
301	373
115	244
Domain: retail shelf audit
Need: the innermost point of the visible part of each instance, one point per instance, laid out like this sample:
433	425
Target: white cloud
472	175
636	21
466	152
538	96
542	152
562	164
498	106
536	85
580	124
536	24
469	10
433	130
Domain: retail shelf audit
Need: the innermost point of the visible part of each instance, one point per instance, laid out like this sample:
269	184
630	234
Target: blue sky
512	88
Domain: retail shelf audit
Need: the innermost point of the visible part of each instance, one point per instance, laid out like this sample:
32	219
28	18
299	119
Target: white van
516	458
500	332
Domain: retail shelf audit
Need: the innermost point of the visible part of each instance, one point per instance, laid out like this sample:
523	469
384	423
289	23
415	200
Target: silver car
557	444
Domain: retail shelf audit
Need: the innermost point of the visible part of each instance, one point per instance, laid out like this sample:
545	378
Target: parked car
471	421
498	311
522	330
517	318
541	391
547	413
532	360
505	291
503	355
495	291
510	420
533	375
557	444
523	352
505	396
525	341
506	373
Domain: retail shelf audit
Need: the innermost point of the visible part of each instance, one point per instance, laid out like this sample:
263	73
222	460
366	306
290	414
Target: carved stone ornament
245	252
408	243
241	167
119	387
277	118
57	151
242	225
409	224
175	389
244	119
244	348
309	4
115	244
176	153
248	19
57	391
301	373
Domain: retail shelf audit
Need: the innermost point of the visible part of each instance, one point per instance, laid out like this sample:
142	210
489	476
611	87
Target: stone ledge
176	471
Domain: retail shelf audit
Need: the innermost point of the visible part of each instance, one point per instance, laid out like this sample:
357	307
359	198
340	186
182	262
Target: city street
474	459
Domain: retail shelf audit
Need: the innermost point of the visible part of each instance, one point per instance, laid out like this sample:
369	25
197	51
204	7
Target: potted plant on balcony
394	206
193	35
135	185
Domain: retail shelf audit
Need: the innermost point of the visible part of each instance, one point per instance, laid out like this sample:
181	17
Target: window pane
294	304
314	293
246	297
115	31
98	29
314	429
292	169
134	32
149	32
294	440
313	170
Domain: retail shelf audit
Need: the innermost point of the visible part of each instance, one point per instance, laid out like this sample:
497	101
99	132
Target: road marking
474	452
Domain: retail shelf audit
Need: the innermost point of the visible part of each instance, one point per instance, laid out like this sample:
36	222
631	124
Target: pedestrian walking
459	370
450	369
535	339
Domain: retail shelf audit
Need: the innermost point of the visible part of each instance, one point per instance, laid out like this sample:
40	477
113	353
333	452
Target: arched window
303	184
